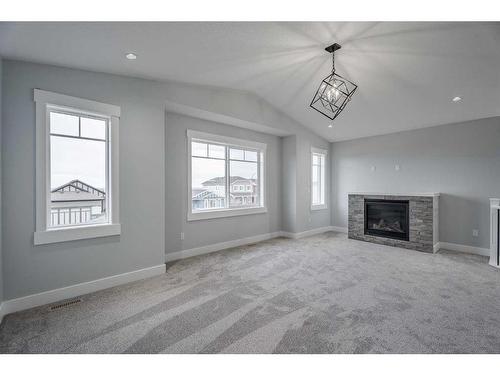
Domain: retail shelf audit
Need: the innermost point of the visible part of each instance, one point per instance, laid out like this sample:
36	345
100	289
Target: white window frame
323	184
45	102
227	141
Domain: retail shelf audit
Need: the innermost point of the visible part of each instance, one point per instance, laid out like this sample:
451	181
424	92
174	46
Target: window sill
319	207
76	233
203	215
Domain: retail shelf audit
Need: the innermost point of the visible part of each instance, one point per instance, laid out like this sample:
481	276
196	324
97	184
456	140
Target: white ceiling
407	72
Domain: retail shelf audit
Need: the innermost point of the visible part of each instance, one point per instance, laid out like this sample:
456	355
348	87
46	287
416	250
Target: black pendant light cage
334	91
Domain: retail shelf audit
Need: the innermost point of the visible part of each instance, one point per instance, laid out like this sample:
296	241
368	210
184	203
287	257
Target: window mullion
322	182
228	178
257	185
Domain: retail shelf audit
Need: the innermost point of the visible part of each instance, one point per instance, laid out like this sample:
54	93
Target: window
77	168
78	185
318	179
226	176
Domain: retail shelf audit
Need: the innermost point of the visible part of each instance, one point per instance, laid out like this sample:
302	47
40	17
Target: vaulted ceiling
407	72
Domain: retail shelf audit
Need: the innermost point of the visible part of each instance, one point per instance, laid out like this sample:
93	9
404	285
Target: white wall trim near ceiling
203	114
76	290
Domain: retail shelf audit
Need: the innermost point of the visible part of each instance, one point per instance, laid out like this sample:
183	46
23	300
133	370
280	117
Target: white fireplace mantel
494	214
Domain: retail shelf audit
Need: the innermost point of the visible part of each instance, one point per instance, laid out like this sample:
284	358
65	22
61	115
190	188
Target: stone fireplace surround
423	215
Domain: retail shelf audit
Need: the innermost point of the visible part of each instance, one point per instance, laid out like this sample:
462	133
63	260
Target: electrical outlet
182	236
475	232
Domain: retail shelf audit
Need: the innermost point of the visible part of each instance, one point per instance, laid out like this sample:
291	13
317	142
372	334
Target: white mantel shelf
396	194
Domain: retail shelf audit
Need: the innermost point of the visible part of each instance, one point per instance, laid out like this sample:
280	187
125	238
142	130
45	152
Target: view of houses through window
78	146
225	176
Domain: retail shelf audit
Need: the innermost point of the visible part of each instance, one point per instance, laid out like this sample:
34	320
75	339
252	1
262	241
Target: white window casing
319	184
47	102
227	211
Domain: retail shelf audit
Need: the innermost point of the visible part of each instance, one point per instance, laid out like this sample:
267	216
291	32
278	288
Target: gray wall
149	209
204	232
296	175
307	219
289	180
1	247
461	161
29	269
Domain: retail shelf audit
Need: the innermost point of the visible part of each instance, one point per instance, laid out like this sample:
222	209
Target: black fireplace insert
387	218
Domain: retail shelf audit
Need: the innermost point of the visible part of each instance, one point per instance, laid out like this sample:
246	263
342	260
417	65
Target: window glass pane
236	154
318	179
323	181
315	188
199	149
251	155
244	185
208	183
93	128
78	181
315	185
217	151
64	124
315	160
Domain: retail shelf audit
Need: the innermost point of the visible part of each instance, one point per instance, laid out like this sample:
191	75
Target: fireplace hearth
387	218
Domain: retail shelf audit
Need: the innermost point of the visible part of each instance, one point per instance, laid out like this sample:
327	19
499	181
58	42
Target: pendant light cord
333	62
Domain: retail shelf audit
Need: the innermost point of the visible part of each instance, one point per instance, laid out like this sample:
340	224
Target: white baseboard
76	290
435	247
462	248
182	254
339	229
312	232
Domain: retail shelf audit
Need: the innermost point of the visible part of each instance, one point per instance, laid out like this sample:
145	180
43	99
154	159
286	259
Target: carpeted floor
322	294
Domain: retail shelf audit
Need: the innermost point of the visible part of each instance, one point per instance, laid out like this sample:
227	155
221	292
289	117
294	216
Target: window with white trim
318	178
78	145
77	168
226	176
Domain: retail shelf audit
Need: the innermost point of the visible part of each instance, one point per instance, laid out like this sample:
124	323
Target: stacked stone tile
421	222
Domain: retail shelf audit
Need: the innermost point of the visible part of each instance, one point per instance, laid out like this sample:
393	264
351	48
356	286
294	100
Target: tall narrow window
77	168
318	178
226	176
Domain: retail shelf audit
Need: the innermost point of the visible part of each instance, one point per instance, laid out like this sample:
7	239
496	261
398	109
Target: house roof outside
201	193
221	181
206	194
76	190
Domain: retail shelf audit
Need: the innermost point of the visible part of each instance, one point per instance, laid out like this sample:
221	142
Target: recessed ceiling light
330	126
131	56
456	99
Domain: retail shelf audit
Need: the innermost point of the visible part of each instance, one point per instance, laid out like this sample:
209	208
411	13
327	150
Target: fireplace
387	218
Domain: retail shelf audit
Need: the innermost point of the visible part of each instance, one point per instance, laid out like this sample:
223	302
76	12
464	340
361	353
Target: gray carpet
322	294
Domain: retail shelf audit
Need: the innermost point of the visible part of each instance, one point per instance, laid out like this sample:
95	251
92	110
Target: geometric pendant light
334	91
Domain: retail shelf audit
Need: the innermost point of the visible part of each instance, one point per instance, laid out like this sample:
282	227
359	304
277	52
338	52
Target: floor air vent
65	304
